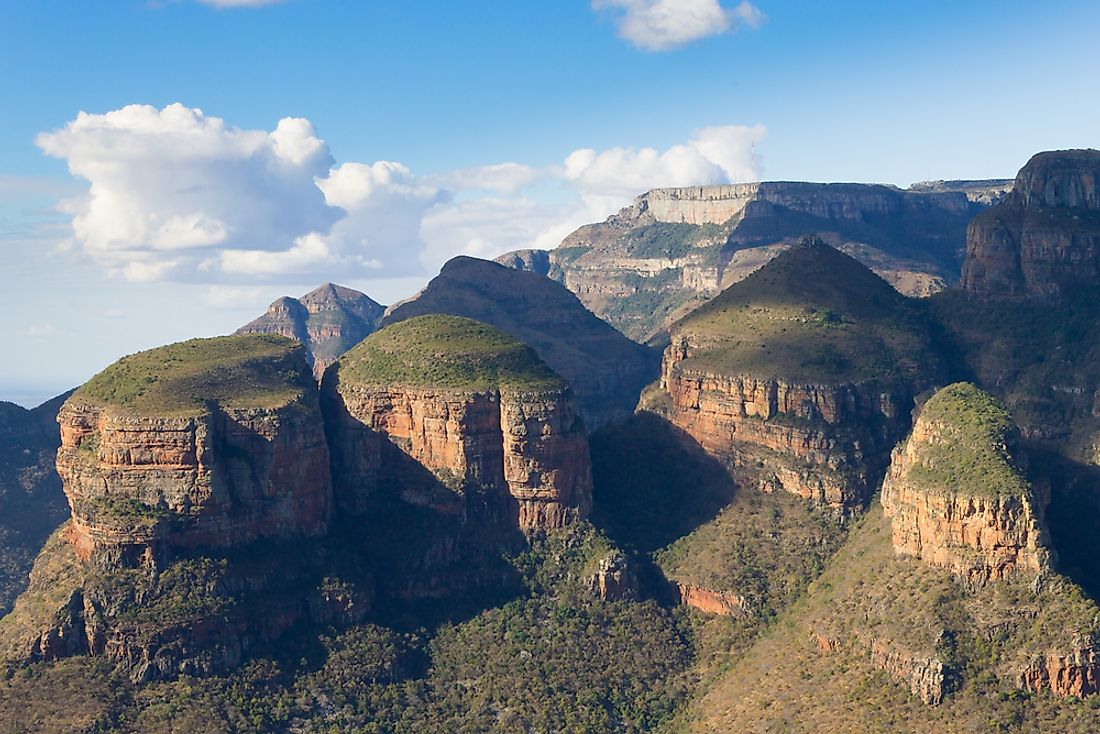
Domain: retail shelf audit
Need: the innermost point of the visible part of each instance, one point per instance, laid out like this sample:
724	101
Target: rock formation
328	321
958	496
1043	240
672	249
483	430
178	463
806	370
208	443
605	369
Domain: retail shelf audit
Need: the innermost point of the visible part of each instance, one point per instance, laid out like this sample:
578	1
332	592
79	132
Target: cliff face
513	456
957	498
1042	241
605	369
221	479
672	249
802	374
328	321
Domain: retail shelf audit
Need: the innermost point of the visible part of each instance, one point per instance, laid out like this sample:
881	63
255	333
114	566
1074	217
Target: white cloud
176	195
609	178
661	25
178	181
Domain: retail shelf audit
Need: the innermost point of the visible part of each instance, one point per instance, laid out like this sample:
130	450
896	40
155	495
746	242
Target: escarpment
328	321
458	417
671	249
803	374
957	494
1042	241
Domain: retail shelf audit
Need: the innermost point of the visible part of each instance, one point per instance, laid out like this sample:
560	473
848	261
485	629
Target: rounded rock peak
448	352
968	444
247	371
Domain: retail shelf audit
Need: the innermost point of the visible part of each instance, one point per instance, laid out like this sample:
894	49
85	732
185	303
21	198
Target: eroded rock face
722	603
980	533
822	442
1070	673
926	677
1043	240
516	458
141	484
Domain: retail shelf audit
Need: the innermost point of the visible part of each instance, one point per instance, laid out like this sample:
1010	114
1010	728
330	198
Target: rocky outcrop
613	579
1071	673
926	677
672	249
328	321
605	369
505	448
534	261
721	603
1043	240
956	494
780	375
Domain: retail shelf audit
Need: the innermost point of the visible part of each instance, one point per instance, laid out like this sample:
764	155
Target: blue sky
500	124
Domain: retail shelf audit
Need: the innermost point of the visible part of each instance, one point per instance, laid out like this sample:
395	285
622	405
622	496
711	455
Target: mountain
672	249
31	502
803	374
605	369
1043	240
328	321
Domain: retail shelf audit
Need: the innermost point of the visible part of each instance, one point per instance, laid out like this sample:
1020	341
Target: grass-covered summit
240	372
813	314
971	450
450	352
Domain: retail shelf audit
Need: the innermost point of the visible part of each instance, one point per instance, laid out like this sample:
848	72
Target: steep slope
674	248
803	374
328	321
1043	240
32	504
606	370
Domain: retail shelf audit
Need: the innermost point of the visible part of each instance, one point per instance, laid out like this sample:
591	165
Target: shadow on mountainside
1073	516
653	483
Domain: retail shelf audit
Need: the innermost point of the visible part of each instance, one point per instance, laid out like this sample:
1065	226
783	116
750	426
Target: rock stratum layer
806	370
484	432
672	249
957	496
149	466
606	370
1043	240
328	321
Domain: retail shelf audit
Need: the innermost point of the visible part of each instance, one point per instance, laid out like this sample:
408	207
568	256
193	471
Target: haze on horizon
171	167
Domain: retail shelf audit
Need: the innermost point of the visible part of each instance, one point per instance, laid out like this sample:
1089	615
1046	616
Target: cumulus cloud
175	194
662	25
172	188
714	155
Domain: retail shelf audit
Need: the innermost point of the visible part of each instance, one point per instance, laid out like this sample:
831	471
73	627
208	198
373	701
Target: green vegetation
972	453
787	682
183	379
812	314
446	352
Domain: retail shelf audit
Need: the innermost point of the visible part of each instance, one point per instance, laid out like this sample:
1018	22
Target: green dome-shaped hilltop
813	314
240	372
448	352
